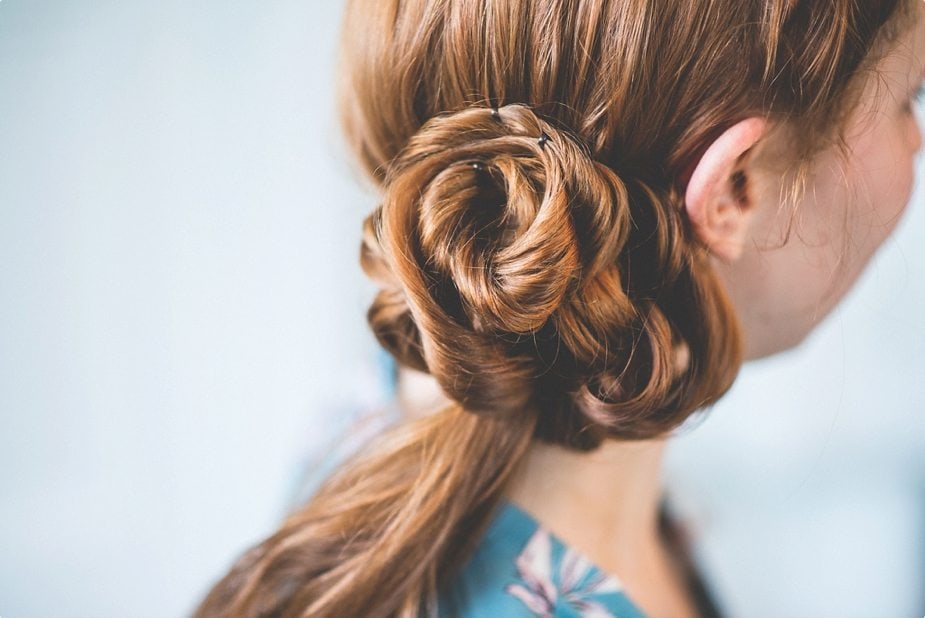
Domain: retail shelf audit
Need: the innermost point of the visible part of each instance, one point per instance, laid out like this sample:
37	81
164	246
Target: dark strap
680	546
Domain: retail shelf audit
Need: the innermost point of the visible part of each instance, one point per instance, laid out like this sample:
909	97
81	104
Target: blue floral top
521	569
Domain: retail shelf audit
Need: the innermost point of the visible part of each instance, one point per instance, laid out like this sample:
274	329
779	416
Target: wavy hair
533	255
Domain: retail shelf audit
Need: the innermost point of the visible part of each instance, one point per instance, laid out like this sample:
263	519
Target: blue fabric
521	569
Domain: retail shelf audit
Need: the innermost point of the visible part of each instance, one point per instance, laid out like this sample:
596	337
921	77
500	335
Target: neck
605	503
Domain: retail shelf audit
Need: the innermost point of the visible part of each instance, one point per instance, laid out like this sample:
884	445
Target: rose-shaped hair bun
496	228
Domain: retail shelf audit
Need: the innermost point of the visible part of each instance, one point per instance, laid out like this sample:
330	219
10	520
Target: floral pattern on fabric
542	590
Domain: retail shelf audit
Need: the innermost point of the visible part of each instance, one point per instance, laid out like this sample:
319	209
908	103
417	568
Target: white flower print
540	594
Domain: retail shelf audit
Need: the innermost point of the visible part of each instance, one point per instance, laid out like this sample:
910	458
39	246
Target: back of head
533	254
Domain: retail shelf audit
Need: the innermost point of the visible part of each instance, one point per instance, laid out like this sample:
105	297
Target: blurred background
182	335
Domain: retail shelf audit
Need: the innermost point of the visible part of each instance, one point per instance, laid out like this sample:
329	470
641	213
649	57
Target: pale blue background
182	331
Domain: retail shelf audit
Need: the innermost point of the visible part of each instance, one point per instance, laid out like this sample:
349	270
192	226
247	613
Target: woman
592	213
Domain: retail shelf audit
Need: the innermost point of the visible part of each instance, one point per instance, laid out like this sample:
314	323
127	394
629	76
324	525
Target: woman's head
612	282
576	198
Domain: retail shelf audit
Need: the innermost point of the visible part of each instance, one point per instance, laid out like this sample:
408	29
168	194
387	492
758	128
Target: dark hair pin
543	139
495	114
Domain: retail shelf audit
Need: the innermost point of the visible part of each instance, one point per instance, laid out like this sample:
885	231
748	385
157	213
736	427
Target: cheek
885	172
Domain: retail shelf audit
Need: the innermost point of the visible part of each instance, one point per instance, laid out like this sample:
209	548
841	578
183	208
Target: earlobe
717	199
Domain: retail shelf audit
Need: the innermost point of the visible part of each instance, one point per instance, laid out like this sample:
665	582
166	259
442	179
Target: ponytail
497	249
387	530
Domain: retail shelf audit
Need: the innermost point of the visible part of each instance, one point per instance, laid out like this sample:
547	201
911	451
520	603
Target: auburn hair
533	255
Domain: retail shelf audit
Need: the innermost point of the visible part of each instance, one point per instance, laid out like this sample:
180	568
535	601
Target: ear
717	200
